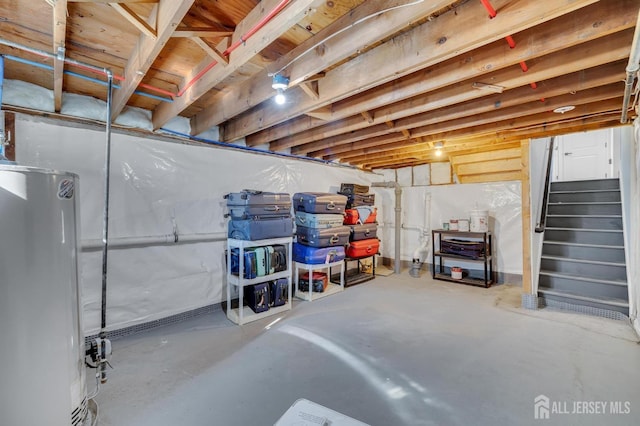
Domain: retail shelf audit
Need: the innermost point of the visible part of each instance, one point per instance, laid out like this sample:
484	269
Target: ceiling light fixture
438	146
280	83
563	109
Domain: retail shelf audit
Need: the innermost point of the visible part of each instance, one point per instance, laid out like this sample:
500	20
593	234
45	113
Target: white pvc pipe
158	240
398	227
632	70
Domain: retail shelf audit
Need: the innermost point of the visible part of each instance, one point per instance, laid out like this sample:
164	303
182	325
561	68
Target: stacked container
360	216
320	233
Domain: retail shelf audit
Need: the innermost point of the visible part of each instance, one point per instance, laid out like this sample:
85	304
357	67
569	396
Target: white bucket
479	220
456	272
463	225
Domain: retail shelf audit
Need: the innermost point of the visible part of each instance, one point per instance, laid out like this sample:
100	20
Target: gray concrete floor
393	351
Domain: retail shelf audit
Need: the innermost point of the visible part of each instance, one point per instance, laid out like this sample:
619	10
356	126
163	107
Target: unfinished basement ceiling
366	88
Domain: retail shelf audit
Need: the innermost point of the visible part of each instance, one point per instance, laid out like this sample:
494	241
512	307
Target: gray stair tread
604	300
581	203
581	278
589	262
615	216
584	191
602	246
618	231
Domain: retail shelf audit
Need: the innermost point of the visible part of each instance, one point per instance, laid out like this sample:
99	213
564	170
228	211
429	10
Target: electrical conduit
632	70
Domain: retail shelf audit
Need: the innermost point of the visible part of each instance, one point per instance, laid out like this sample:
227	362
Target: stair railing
545	193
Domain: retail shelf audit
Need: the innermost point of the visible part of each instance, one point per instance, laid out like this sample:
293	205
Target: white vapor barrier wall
429	206
630	188
156	185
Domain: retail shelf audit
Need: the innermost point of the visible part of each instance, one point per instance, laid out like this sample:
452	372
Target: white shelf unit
244	314
331	287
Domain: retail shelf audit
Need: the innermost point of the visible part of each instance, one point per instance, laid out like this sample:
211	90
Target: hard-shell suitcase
250	267
262	261
363	232
363	248
362	214
317	255
355	200
319	282
249	197
319	202
323	237
471	249
353	188
278	258
259	211
253	229
318	220
257	296
278	292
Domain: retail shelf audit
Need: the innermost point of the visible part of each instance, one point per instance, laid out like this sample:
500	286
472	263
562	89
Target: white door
583	156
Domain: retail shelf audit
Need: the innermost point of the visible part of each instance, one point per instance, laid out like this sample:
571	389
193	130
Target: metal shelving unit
244	314
332	287
486	258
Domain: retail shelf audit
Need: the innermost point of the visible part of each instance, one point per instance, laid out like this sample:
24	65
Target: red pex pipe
524	66
261	23
490	9
510	41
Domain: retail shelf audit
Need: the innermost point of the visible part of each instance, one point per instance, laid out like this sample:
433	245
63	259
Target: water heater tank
42	351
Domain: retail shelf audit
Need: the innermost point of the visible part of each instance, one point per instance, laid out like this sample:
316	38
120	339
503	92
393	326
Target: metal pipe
84	77
398	220
88	67
105	220
2	138
157	240
632	70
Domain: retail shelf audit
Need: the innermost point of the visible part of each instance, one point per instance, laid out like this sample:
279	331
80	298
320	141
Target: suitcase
323	237
258	211
262	260
466	248
278	259
278	292
317	255
318	220
353	188
257	297
319	282
356	200
250	268
363	248
248	197
354	216
363	231
253	229
319	202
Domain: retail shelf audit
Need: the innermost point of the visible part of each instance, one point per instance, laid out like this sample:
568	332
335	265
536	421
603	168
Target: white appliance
42	352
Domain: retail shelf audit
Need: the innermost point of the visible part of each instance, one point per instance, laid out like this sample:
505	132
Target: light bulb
280	97
438	152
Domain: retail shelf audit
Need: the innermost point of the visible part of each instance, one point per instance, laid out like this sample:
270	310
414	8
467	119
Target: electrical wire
359	21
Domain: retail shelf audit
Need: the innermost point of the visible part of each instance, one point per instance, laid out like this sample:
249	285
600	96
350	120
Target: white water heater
42	352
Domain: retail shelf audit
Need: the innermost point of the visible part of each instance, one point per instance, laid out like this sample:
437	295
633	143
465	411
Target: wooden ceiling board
379	103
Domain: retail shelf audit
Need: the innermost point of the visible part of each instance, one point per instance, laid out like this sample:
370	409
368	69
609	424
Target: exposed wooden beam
428	108
594	21
310	88
113	1
321	113
213	75
367	116
310	58
526	218
374	68
170	14
138	22
406	133
202	32
59	46
211	51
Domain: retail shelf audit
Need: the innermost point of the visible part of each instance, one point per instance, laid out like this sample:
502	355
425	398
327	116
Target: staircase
583	263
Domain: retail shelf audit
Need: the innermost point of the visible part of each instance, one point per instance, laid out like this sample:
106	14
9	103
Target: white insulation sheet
156	186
